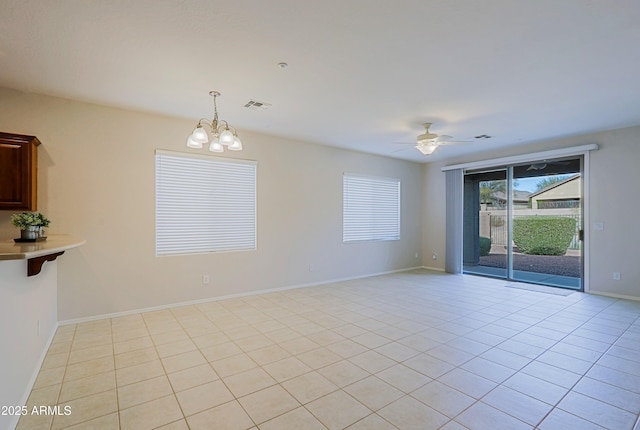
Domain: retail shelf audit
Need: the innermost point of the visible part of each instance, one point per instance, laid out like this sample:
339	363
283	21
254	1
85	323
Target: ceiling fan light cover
426	149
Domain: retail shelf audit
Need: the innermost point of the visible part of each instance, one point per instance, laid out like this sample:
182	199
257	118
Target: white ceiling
363	74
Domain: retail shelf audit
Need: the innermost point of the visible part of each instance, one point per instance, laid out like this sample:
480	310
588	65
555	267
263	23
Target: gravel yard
562	265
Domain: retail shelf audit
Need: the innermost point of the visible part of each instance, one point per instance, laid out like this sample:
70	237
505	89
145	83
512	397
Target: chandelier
222	134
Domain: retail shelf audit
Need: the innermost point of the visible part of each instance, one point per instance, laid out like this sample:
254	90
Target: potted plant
30	224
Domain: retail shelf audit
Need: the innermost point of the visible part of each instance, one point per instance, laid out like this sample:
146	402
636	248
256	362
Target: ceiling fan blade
425	137
443	139
543	165
446	140
399	150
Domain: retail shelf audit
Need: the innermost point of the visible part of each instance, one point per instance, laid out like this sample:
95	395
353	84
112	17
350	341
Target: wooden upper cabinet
18	172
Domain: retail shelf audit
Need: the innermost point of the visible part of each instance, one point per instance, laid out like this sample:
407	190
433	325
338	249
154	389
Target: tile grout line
531	360
587	371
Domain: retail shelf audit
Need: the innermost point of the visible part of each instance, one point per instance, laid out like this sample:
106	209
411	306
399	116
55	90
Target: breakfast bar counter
37	253
28	312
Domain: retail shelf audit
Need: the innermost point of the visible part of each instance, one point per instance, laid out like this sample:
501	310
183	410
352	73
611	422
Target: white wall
96	181
614	201
433	217
28	321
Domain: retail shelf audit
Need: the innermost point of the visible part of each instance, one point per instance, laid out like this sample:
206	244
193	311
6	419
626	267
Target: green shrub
543	235
485	246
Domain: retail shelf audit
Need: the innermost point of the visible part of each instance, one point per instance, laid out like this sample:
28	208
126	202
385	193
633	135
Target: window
204	204
371	208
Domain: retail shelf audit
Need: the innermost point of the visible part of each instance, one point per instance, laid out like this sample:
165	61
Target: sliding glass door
524	222
485	249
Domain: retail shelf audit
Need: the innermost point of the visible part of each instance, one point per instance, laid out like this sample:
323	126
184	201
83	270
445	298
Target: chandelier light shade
198	138
216	146
222	134
226	137
236	145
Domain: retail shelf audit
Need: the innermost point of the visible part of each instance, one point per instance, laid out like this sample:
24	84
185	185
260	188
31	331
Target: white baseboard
437	269
229	296
612	295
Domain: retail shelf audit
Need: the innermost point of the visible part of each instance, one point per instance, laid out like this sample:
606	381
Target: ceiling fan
428	142
544	163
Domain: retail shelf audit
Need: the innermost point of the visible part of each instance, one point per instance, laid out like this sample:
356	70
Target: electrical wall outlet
616	276
205	280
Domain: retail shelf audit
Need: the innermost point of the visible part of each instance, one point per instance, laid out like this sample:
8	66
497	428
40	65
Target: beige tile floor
413	350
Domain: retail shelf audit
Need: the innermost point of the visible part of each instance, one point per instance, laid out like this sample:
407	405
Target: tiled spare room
286	215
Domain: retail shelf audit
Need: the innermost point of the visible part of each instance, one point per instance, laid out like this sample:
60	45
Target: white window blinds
204	204
371	208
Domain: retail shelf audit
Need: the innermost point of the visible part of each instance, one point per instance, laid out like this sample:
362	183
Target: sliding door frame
509	197
454	247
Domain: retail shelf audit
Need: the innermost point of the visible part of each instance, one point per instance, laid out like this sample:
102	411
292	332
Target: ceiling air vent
256	105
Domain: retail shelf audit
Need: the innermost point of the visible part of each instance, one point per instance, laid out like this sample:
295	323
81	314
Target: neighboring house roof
518	196
557	184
